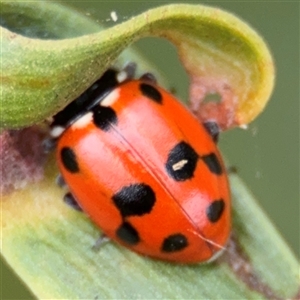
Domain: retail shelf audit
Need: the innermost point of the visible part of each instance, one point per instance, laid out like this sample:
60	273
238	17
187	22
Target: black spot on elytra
212	162
174	242
128	234
104	117
182	152
151	92
135	200
215	210
69	159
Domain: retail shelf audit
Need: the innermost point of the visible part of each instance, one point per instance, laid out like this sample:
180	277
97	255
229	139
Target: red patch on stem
21	158
221	111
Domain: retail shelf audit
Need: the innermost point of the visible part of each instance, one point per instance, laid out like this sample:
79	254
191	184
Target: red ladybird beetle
144	169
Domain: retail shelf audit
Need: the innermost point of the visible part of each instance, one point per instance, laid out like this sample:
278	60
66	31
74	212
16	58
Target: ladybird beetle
144	169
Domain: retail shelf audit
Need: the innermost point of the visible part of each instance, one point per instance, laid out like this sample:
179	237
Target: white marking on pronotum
111	98
83	121
57	131
179	165
122	76
114	16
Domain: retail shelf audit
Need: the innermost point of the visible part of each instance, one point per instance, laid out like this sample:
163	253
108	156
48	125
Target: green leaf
51	248
219	51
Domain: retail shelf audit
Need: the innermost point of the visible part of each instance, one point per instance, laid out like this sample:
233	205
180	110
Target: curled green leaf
220	53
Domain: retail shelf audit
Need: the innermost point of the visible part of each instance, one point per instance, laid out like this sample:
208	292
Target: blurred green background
267	154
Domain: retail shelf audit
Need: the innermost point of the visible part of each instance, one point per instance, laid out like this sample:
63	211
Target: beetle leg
49	144
103	239
213	129
149	77
71	201
60	181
